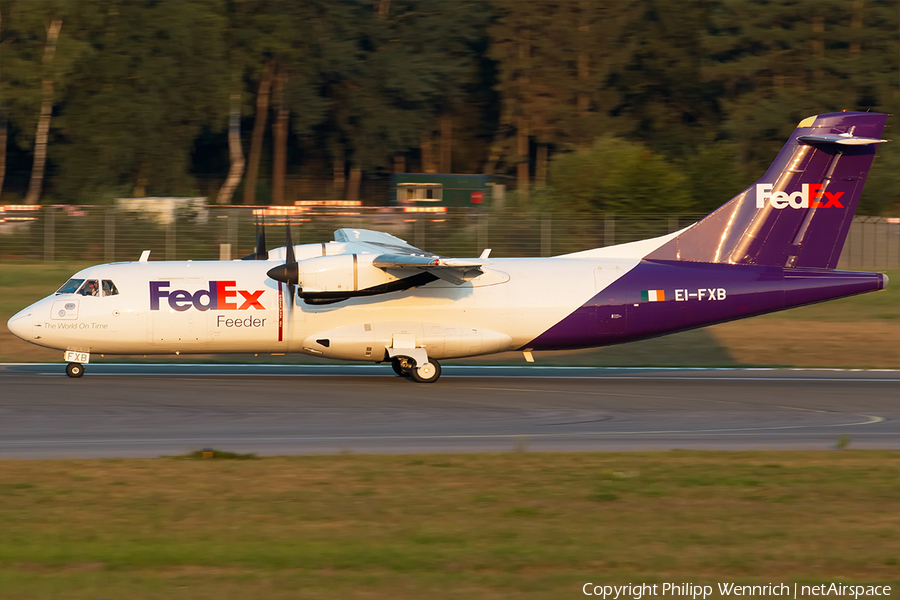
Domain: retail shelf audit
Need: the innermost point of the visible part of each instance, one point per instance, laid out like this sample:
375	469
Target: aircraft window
109	288
70	286
90	288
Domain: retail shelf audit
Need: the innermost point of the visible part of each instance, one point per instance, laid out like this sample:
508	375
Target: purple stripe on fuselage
695	294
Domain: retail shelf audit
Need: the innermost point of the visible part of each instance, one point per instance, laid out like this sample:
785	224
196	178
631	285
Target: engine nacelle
340	273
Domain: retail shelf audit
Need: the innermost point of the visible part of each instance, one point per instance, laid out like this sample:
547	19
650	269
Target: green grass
46	276
514	525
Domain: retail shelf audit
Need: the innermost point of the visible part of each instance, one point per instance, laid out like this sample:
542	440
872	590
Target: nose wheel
74	370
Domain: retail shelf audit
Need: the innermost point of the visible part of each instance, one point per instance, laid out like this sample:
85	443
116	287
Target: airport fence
109	234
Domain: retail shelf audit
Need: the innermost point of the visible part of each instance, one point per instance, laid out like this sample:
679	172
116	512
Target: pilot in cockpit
91	288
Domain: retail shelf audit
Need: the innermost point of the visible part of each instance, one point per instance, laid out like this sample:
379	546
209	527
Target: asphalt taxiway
152	410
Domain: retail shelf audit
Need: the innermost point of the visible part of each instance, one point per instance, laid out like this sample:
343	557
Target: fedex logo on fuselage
809	196
221	295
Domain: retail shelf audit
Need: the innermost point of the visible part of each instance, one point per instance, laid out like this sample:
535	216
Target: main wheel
427	373
401	366
74	370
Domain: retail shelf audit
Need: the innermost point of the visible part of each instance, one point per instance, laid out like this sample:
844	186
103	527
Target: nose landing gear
74	370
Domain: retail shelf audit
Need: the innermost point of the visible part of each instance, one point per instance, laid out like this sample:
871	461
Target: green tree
713	173
284	45
387	91
615	175
555	63
455	34
774	64
37	69
662	96
156	78
881	196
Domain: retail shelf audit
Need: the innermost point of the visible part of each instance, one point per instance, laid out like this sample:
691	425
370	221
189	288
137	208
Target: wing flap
405	261
455	276
401	256
454	270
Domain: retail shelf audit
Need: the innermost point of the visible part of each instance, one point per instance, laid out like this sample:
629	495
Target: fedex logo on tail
221	295
809	196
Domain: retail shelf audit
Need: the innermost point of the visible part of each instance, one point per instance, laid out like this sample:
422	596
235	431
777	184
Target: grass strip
514	525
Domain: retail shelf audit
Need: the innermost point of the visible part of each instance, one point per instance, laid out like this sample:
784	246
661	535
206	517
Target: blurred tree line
623	105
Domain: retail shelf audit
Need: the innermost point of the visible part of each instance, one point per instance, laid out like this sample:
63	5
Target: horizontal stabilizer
845	139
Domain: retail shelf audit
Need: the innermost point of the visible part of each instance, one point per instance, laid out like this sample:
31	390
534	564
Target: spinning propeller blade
289	272
289	257
261	252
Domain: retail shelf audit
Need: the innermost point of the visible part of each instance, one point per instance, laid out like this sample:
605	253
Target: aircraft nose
21	324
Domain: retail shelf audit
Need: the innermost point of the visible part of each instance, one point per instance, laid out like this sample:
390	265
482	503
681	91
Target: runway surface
152	410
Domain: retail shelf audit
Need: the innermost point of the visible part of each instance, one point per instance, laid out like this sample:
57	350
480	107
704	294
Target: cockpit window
109	288
70	286
90	288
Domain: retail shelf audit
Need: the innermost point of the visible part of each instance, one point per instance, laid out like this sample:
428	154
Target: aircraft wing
401	261
395	253
377	241
455	270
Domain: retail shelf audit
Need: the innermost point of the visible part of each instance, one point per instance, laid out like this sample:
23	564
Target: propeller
261	252
289	272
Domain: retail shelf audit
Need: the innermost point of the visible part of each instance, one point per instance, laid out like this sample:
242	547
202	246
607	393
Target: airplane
370	296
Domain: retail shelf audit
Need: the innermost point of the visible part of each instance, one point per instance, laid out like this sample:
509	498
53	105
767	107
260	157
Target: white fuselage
169	307
208	307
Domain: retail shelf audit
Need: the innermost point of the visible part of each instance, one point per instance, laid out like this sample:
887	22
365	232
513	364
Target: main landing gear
74	369
401	365
404	366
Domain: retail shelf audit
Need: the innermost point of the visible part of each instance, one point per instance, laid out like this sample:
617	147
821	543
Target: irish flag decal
653	295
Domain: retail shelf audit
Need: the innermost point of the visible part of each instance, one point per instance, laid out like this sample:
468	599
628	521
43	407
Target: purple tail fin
799	213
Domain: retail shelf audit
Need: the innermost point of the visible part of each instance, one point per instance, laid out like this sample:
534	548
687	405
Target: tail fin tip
798	214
